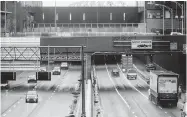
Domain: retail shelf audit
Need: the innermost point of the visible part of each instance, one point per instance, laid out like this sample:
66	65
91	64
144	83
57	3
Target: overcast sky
67	3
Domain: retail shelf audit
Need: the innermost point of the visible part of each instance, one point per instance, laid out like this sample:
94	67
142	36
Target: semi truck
163	88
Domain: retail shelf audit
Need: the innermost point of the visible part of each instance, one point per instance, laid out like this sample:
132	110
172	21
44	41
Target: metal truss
34	53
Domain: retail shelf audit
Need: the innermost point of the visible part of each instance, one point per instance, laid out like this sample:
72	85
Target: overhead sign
141	44
43	76
8	75
69	57
173	46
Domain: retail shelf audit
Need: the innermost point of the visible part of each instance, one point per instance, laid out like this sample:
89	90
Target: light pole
182	15
170	9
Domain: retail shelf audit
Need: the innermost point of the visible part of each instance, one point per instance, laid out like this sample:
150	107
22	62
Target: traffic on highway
93	59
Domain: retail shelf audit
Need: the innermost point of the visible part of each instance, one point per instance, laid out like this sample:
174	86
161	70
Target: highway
122	97
54	96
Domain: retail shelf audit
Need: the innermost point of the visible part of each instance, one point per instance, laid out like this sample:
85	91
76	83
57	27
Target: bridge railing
87	27
77	34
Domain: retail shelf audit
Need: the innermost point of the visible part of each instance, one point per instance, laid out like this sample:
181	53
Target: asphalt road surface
121	97
54	96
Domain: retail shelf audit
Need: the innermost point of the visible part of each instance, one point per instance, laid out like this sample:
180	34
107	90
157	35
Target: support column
88	66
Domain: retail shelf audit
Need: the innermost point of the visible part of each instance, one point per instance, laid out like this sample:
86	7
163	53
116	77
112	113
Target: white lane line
18	102
116	88
131	84
166	112
14	106
140	76
9	110
4	114
133	112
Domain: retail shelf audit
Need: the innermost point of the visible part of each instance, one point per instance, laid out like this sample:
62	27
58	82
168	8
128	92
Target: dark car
150	66
31	96
115	72
56	71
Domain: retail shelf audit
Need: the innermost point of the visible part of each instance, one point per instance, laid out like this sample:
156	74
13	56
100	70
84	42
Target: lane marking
131	84
139	75
166	112
14	106
4	114
116	88
9	110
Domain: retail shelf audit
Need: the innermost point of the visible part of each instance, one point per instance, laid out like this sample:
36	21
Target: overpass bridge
163	49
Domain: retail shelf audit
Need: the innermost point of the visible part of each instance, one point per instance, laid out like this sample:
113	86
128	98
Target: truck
163	89
126	62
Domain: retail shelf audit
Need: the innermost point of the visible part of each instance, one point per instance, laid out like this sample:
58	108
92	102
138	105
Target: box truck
163	88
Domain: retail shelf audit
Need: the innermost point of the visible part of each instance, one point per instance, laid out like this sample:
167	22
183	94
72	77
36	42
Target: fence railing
87	27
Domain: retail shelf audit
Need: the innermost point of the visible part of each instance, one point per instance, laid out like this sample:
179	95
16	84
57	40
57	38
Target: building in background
153	16
19	15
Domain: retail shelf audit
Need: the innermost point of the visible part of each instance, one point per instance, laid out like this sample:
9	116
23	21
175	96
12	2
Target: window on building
110	16
70	16
124	16
84	17
167	14
155	14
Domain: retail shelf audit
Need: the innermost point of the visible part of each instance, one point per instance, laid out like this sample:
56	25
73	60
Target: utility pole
83	84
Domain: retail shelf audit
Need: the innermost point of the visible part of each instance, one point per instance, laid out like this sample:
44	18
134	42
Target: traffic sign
141	44
43	76
8	75
173	46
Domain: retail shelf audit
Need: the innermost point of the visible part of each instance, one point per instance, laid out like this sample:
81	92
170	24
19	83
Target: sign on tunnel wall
141	44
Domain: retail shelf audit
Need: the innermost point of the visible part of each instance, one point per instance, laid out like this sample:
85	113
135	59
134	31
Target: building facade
161	16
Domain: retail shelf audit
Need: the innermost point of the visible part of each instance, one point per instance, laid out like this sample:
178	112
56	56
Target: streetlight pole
163	20
55	15
83	85
182	15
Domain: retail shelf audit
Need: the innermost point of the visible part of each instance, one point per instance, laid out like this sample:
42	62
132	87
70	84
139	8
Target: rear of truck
164	87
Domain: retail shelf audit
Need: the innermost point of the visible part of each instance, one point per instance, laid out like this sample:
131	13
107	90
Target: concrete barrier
88	99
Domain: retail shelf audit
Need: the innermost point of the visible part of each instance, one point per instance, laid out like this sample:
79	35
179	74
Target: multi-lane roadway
55	96
120	97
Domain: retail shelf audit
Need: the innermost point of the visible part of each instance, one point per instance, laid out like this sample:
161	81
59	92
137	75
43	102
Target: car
115	72
43	69
131	74
175	33
150	66
64	65
56	71
143	45
31	96
32	79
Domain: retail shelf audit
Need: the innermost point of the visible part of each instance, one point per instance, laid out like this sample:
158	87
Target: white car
176	33
131	74
32	79
56	71
64	65
43	69
31	96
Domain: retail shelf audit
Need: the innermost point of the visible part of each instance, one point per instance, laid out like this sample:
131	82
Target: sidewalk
140	67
